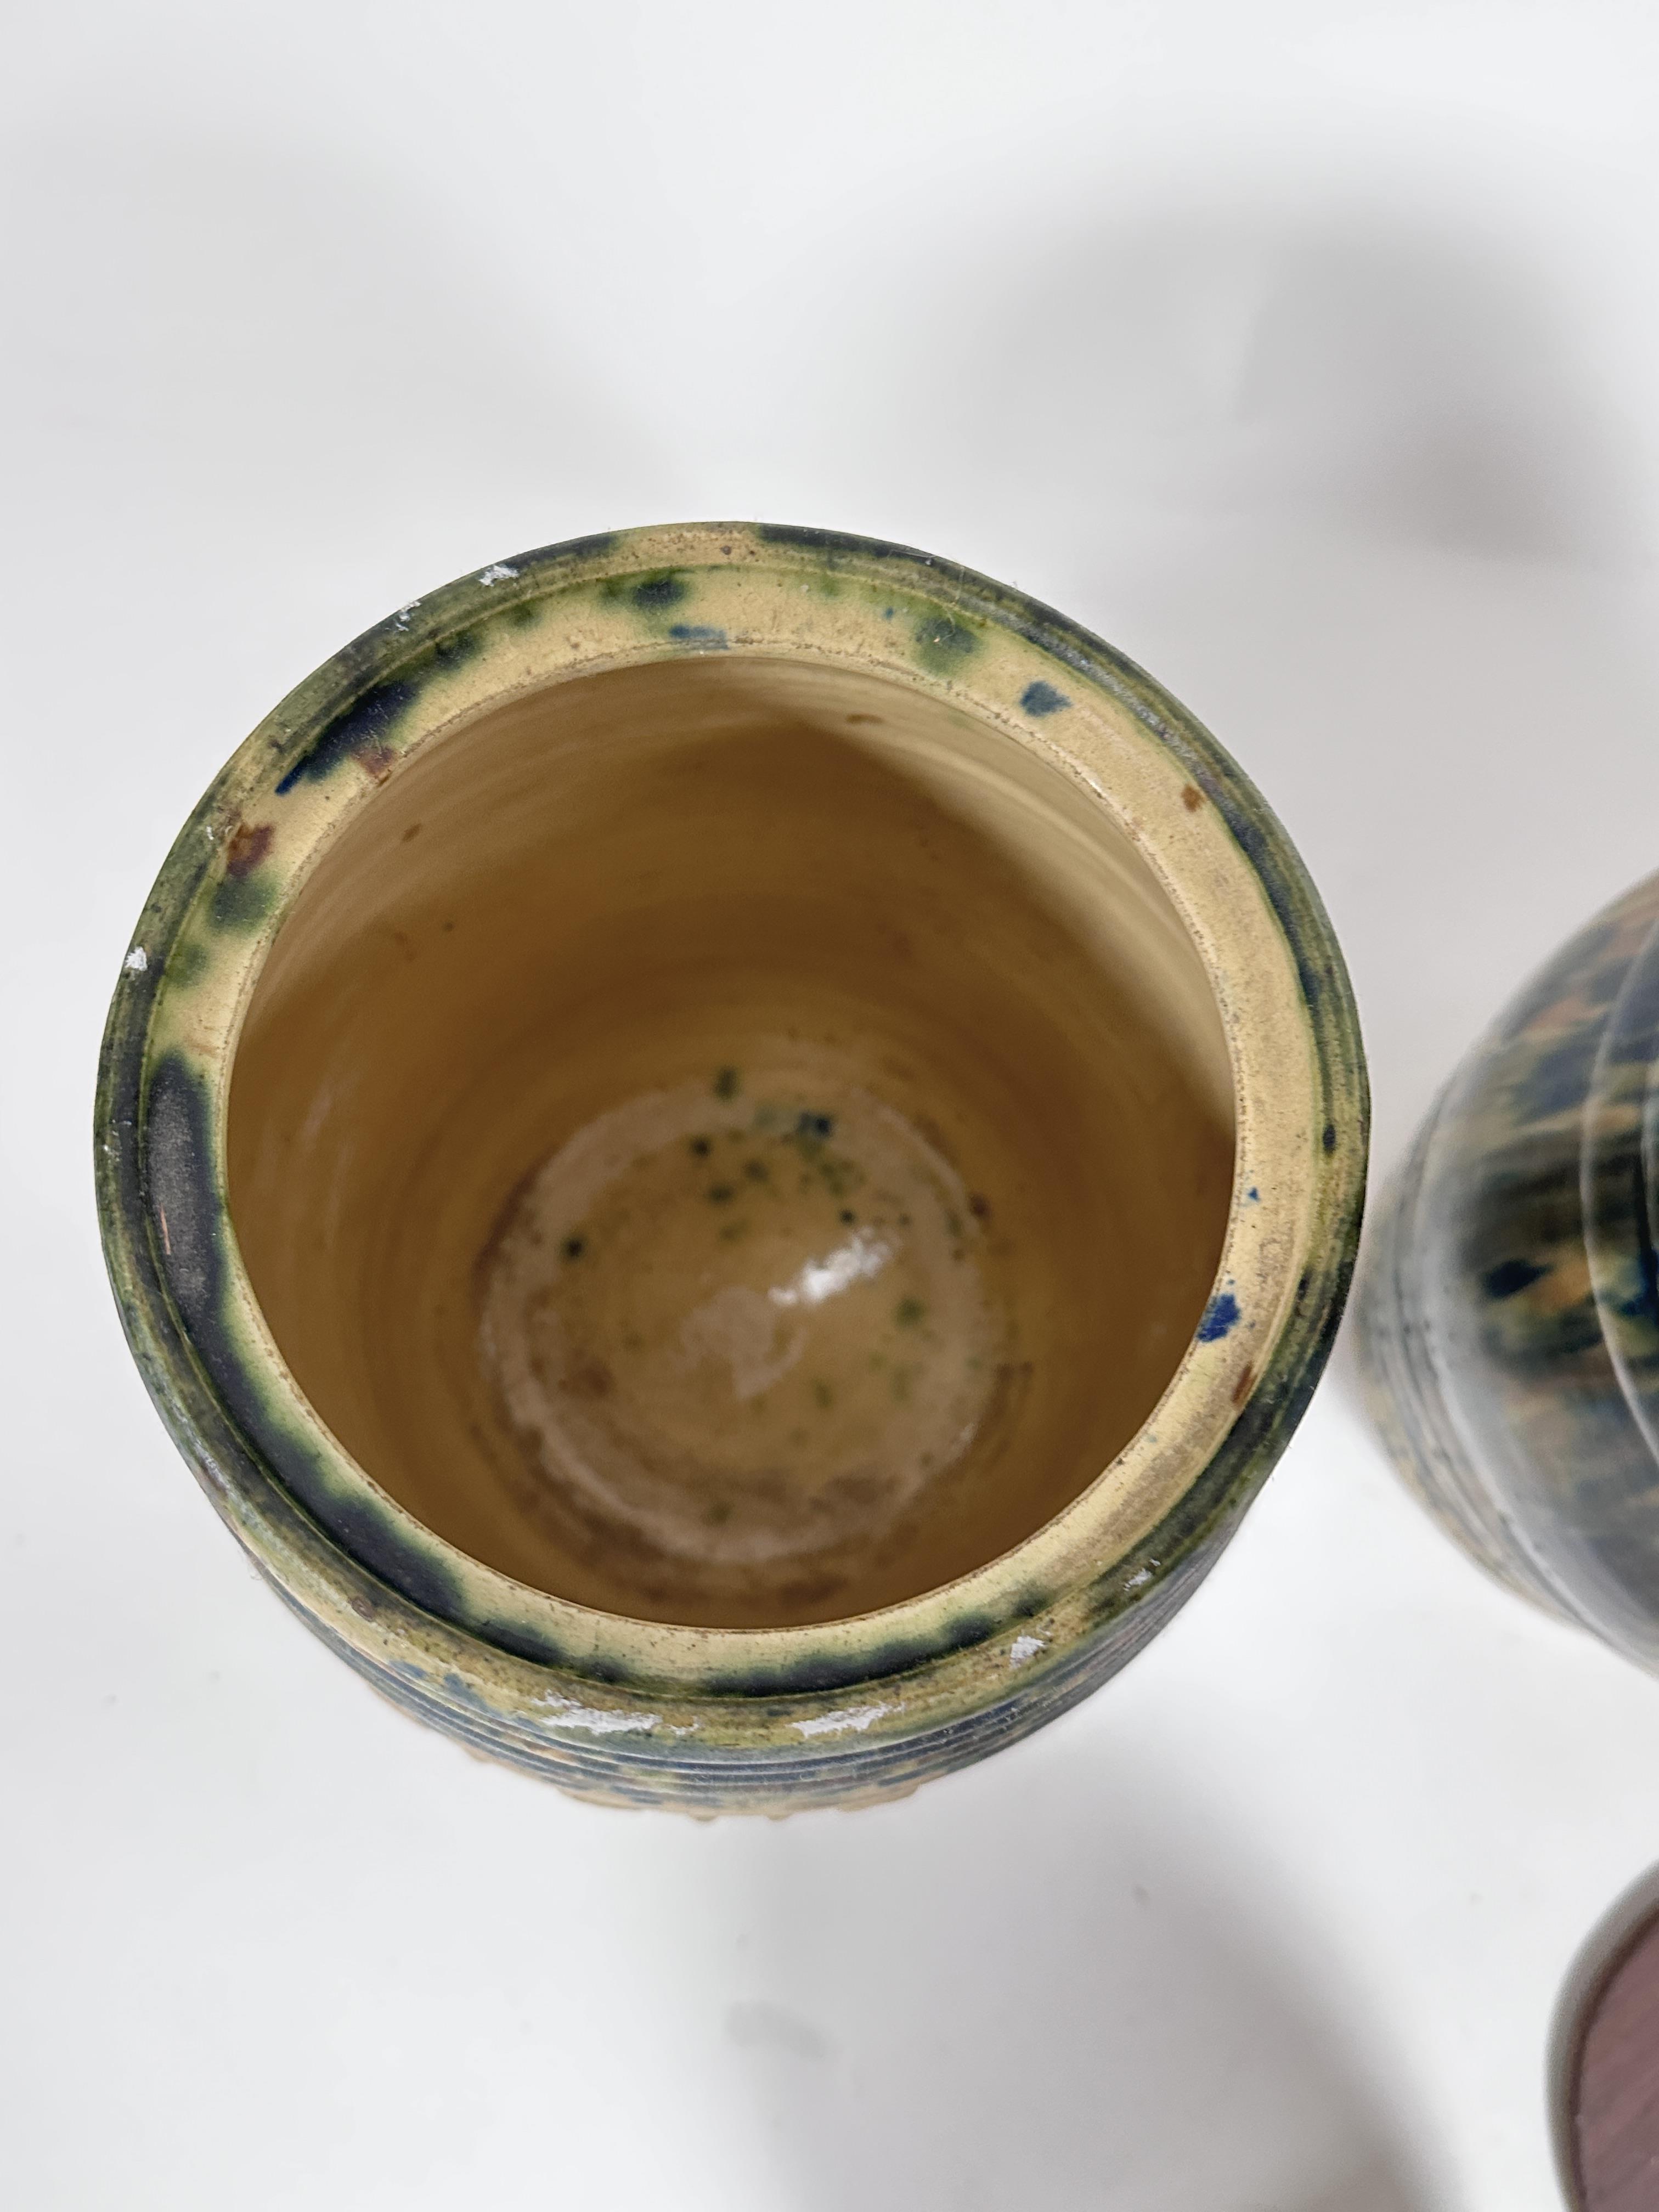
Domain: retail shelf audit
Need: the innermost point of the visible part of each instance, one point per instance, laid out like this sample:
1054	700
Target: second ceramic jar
1510	1315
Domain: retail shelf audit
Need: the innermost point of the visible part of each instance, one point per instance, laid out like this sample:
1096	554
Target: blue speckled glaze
1509	1308
839	1712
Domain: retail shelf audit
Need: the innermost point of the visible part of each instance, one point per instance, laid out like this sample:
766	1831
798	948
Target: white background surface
1311	354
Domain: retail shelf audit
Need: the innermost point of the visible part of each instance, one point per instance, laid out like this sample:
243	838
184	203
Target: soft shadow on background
1310	361
302	348
1065	1989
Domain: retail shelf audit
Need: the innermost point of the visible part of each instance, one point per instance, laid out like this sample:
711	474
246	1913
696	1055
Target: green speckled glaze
1510	1326
644	1713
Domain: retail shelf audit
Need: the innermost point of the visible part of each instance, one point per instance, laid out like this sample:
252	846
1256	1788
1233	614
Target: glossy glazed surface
1040	894
1510	1312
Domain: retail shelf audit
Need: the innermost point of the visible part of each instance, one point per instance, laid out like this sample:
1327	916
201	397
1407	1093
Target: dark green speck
187	963
652	594
943	645
241	901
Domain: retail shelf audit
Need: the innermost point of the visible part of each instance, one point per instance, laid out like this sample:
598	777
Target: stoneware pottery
1511	1309
732	1151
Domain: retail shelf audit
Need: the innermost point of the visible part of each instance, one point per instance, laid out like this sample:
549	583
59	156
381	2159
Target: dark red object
1612	2082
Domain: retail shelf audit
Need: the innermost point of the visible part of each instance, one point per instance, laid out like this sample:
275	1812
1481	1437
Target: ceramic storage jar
732	1151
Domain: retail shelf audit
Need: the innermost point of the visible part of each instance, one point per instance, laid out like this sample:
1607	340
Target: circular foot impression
746	1323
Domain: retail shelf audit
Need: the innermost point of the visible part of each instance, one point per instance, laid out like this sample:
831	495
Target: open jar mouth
731	1141
732	1107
